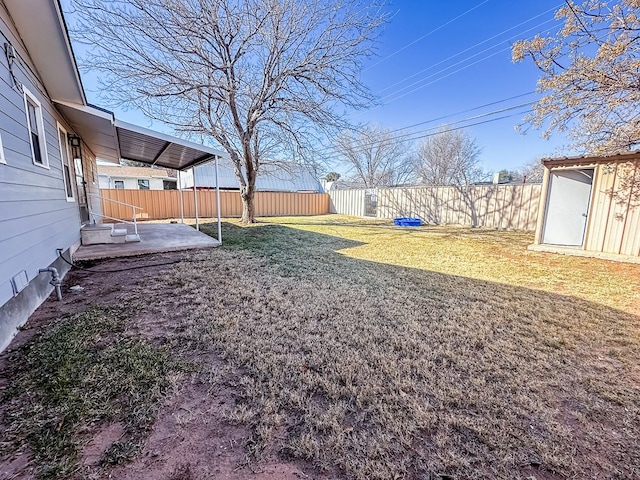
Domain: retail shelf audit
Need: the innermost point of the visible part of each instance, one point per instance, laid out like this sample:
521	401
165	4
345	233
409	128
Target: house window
35	125
143	184
118	184
66	164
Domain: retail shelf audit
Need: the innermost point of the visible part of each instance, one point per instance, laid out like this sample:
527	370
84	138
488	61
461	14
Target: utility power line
410	136
481	43
473	109
425	36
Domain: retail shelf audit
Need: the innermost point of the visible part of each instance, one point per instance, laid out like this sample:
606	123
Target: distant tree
376	156
532	172
450	157
133	163
507	176
590	75
332	177
260	77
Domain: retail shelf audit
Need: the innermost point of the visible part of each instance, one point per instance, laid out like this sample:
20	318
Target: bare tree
532	172
590	75
376	157
260	77
450	157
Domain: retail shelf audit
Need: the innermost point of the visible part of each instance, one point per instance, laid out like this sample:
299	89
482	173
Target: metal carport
111	140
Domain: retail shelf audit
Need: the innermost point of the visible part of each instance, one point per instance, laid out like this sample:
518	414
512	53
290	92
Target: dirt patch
193	437
194	440
100	442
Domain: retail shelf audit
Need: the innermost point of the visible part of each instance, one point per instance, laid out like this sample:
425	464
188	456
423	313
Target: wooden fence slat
163	204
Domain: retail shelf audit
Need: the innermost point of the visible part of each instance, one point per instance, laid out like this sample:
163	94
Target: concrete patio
154	238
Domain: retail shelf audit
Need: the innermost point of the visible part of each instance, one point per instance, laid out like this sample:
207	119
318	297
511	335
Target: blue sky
444	59
463	51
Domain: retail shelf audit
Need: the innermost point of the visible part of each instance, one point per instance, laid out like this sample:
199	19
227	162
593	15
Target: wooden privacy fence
162	204
493	206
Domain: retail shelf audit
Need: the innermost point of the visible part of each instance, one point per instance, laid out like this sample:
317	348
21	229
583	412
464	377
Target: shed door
567	207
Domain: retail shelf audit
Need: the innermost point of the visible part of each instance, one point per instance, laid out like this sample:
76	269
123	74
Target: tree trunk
247	193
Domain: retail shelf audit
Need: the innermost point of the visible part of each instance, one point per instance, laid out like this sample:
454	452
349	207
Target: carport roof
110	139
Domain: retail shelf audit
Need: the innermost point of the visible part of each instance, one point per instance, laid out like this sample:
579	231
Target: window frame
61	130
30	98
115	184
148	187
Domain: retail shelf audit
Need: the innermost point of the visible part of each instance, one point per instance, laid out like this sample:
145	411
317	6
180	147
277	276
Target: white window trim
60	128
28	96
2	157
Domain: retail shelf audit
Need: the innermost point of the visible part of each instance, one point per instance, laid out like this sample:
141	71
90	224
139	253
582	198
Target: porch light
75	142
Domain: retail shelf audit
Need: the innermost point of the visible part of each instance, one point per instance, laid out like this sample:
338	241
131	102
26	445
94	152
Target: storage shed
590	206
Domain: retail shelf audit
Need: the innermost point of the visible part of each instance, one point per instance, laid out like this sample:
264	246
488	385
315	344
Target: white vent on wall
19	282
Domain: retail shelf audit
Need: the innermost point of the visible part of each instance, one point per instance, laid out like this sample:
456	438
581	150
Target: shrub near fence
492	206
163	204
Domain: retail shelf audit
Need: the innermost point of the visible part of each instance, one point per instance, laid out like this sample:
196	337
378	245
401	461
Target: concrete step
118	236
133	237
94	234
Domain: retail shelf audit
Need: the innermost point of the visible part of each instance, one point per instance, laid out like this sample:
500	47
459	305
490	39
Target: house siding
35	216
130	183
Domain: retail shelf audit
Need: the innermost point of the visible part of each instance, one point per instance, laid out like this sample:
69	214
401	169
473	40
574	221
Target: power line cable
452	129
424	36
442	70
409	136
473	109
480	43
413	90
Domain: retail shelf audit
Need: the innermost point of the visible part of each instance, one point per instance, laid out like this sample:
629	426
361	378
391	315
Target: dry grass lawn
379	352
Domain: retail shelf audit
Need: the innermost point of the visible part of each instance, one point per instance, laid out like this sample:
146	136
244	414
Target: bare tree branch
262	78
377	158
450	157
591	75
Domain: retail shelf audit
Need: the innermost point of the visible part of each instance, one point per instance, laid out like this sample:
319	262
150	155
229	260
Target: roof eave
591	160
53	59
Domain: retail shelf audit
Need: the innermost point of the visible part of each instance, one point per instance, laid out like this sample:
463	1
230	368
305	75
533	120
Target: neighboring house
282	177
49	140
135	178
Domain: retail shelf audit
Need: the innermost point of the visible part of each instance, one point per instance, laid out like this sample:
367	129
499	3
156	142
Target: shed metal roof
592	159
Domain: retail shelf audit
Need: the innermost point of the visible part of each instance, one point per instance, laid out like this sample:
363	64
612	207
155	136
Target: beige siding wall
347	202
614	219
492	206
162	204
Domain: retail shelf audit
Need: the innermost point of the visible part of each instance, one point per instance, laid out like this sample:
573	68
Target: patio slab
154	238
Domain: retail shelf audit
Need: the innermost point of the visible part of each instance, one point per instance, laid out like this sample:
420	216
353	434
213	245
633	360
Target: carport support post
195	198
218	202
180	195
